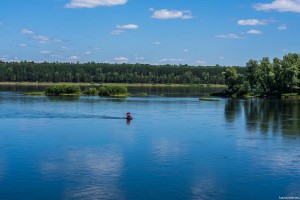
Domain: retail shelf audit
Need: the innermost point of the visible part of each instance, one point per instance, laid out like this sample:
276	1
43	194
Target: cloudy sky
194	32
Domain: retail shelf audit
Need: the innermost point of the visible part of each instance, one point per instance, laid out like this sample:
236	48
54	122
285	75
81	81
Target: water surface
175	148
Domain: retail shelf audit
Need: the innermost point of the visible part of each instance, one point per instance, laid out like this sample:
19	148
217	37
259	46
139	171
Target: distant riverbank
117	84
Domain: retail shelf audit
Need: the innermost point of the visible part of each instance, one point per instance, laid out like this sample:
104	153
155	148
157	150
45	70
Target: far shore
121	84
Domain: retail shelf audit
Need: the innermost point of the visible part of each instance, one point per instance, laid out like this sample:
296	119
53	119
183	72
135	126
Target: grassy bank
208	99
116	84
227	94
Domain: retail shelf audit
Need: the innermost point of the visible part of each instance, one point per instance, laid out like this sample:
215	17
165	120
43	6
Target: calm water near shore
176	147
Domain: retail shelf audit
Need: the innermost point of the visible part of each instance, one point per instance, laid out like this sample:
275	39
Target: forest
92	72
266	77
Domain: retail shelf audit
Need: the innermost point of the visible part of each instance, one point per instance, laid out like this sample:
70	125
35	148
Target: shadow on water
274	116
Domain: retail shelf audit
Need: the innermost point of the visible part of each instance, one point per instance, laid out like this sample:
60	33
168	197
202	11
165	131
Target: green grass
34	93
91	91
63	90
113	91
208	99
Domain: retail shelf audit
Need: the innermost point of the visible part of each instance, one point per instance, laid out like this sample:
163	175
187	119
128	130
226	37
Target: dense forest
111	73
266	77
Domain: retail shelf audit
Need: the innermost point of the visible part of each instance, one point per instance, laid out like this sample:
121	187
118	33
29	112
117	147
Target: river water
176	147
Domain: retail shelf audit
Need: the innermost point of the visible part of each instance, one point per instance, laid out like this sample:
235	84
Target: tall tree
278	79
266	75
290	72
252	67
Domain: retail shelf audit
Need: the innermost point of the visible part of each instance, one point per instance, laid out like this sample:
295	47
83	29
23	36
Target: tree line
266	77
112	73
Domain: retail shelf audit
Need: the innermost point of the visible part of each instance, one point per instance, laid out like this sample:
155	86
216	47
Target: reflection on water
90	172
175	148
207	188
267	116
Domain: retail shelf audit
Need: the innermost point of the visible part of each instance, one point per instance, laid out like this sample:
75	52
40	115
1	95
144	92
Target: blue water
174	148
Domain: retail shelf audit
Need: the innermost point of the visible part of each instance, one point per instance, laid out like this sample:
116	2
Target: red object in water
128	115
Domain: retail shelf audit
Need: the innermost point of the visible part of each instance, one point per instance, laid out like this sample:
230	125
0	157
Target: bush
112	90
91	91
58	90
290	96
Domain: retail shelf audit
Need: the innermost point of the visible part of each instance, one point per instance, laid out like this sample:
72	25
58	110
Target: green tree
278	79
290	72
232	79
266	75
252	67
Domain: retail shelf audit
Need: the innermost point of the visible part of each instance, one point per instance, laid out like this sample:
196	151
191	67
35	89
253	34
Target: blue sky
194	32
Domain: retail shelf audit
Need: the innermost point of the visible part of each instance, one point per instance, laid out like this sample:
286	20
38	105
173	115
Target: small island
113	91
75	90
63	90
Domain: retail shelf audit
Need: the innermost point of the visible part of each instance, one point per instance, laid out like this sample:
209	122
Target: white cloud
121	59
280	5
64	48
87	53
94	3
151	9
231	36
7	58
139	57
26	31
172	60
56	40
186	50
45	52
251	22
55	56
201	62
221	57
22	45
282	27
42	39
254	32
117	32
127	26
1	23
156	43
97	48
172	14
74	58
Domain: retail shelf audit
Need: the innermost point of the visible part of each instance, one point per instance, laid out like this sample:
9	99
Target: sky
193	32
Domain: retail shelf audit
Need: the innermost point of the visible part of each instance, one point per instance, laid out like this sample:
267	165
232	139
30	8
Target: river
176	147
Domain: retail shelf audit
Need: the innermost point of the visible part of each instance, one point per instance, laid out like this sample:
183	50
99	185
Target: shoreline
117	84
